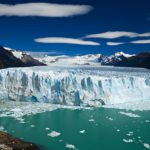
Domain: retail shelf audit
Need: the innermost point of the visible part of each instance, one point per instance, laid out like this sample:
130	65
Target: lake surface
93	129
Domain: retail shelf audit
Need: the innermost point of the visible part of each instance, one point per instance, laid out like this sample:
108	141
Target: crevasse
73	87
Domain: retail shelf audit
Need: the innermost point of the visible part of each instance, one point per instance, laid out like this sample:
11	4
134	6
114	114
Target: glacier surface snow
70	85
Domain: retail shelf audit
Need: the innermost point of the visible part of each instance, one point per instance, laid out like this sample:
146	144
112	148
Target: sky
75	27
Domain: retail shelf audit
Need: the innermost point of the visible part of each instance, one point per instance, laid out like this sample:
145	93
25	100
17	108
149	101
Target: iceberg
75	85
54	134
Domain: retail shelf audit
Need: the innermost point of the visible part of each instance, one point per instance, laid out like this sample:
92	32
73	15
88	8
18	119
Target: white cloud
141	42
44	10
64	40
114	43
117	34
112	34
144	34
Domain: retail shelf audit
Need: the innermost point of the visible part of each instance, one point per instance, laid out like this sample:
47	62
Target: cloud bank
117	34
114	43
63	40
44	10
141	42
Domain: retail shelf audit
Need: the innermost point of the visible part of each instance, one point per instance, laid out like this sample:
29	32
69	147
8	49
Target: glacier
75	85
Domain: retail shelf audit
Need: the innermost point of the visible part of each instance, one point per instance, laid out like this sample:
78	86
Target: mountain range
13	58
141	60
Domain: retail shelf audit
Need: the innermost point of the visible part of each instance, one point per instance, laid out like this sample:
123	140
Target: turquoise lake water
101	129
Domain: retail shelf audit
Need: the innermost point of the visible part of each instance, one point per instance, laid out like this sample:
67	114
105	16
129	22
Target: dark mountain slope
7	59
141	60
30	61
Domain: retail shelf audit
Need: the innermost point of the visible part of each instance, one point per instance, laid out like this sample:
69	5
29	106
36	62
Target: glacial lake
80	129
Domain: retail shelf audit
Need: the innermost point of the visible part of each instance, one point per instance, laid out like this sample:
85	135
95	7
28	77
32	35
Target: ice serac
75	85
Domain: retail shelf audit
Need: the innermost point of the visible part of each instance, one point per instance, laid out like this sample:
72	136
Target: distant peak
121	53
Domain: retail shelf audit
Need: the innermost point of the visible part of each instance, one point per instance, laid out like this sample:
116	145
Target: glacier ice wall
78	87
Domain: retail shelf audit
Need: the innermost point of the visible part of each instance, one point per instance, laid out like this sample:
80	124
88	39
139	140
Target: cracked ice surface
72	85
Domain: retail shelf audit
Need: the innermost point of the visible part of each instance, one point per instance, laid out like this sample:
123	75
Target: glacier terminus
75	85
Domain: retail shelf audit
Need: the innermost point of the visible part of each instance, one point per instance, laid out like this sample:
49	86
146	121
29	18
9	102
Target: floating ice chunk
70	146
147	121
28	108
21	120
82	131
91	120
118	130
60	140
139	138
109	118
147	145
54	134
32	126
129	114
47	128
128	140
130	133
3	115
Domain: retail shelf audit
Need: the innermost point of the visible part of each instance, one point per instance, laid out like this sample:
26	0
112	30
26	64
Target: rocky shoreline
8	142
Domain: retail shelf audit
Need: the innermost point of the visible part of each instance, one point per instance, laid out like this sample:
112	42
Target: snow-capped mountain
18	54
115	58
140	60
7	59
89	59
14	58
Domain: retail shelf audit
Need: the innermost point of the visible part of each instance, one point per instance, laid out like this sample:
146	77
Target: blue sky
75	27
